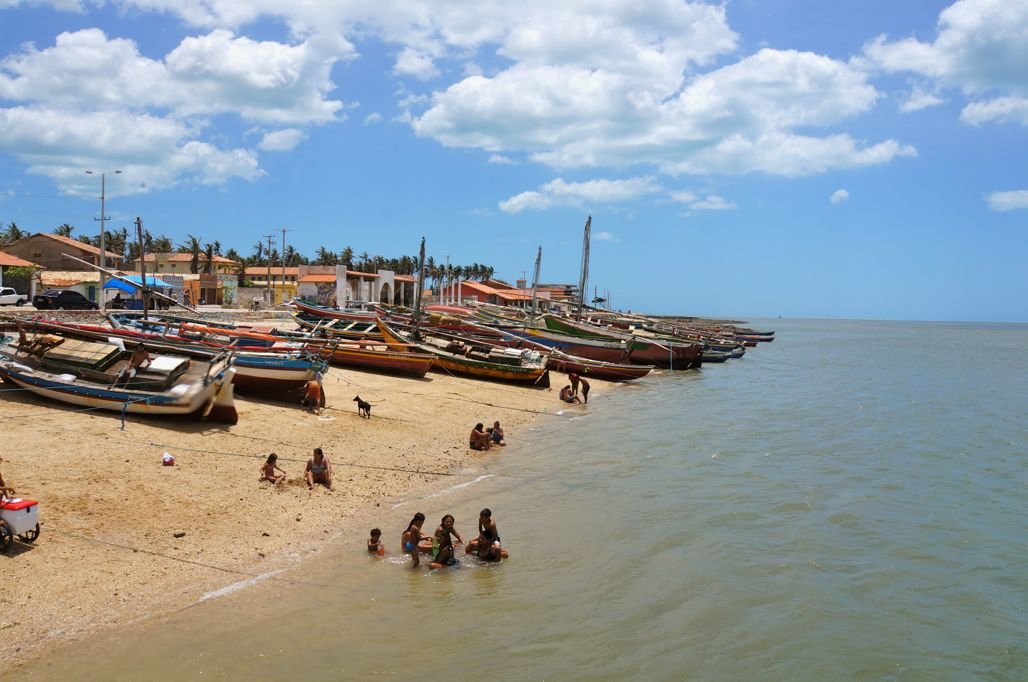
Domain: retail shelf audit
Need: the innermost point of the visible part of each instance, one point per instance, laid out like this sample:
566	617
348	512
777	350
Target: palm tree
208	266
324	257
363	258
258	253
63	230
11	234
192	245
346	257
161	244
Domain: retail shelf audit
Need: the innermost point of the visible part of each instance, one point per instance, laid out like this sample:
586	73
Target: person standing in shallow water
573	378
411	537
585	390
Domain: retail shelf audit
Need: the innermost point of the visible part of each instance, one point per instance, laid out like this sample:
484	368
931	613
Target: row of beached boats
194	365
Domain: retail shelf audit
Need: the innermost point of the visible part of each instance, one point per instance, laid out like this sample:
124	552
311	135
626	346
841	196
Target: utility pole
267	286
101	296
284	230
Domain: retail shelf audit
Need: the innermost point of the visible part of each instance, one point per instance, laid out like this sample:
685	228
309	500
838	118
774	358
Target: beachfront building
86	283
17	273
52	251
177	263
270	285
495	292
335	285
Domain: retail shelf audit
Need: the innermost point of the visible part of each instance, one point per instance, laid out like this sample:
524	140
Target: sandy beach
110	512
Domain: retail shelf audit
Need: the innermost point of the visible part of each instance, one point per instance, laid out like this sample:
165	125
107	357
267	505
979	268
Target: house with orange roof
18	273
177	263
52	251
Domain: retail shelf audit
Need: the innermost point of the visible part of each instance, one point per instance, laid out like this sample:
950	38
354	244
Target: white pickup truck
9	296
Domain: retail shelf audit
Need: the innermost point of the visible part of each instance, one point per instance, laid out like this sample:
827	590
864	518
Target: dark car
62	299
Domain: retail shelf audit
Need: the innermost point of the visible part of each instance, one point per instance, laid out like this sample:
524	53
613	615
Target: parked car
62	299
9	296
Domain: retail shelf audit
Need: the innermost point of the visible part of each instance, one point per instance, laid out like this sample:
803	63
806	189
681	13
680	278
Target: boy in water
487	544
375	545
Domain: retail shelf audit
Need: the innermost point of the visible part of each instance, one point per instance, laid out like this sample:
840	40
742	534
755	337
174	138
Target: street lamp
102	295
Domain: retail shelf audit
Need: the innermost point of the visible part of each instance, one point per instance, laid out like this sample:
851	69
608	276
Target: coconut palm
192	245
208	256
63	230
11	234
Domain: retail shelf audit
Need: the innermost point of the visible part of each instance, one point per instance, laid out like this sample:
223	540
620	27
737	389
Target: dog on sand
363	407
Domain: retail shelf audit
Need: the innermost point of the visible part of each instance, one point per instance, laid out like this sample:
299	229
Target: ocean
847	502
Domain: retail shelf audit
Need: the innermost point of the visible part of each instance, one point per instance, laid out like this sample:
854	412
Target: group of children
484	438
318	470
486	546
569	394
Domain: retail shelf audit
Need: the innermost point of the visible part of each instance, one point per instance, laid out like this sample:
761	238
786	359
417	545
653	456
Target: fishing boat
280	375
84	373
365	354
316	310
657	351
595	369
479	361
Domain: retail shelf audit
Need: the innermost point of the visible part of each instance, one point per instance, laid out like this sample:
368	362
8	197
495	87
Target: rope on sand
293	459
151	552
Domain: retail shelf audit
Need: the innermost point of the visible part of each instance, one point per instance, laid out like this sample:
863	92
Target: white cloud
981	48
605	237
999	110
561	193
372	118
683	197
713	202
501	159
919	99
281	140
1008	201
413	63
570	117
839	196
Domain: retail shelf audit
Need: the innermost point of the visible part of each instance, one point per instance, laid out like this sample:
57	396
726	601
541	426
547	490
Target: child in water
269	468
375	545
411	538
442	548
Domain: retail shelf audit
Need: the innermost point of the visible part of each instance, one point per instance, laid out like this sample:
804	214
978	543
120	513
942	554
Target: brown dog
363	407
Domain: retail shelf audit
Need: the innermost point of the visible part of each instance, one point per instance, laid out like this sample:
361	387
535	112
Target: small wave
447	491
235	587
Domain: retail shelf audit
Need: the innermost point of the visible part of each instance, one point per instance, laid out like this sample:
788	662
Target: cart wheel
6	537
31	536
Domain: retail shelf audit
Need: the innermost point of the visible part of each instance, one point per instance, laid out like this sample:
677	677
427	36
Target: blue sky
753	158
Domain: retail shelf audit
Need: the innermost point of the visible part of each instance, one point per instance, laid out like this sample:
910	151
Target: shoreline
107	555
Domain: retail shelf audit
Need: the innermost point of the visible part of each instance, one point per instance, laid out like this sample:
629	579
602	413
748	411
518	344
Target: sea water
847	502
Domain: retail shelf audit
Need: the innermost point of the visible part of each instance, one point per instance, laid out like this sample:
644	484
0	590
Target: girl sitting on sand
269	468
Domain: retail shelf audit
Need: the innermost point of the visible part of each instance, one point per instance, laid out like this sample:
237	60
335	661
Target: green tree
346	257
208	256
64	230
12	233
161	244
192	246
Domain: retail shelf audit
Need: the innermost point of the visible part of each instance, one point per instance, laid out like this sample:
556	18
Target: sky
749	158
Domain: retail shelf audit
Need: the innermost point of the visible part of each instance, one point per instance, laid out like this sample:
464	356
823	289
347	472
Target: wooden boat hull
386	361
449	363
213	402
332	313
594	369
593	349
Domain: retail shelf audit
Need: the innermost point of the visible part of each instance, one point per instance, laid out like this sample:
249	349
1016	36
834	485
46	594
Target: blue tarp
151	281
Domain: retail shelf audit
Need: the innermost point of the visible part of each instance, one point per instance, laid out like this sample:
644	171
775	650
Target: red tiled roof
178	257
276	271
13	261
318	278
89	248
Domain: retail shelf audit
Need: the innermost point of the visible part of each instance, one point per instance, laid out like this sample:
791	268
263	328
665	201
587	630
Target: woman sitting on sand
442	548
319	470
479	439
497	434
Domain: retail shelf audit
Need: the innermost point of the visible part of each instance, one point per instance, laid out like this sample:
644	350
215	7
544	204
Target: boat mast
142	264
585	268
417	293
535	282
